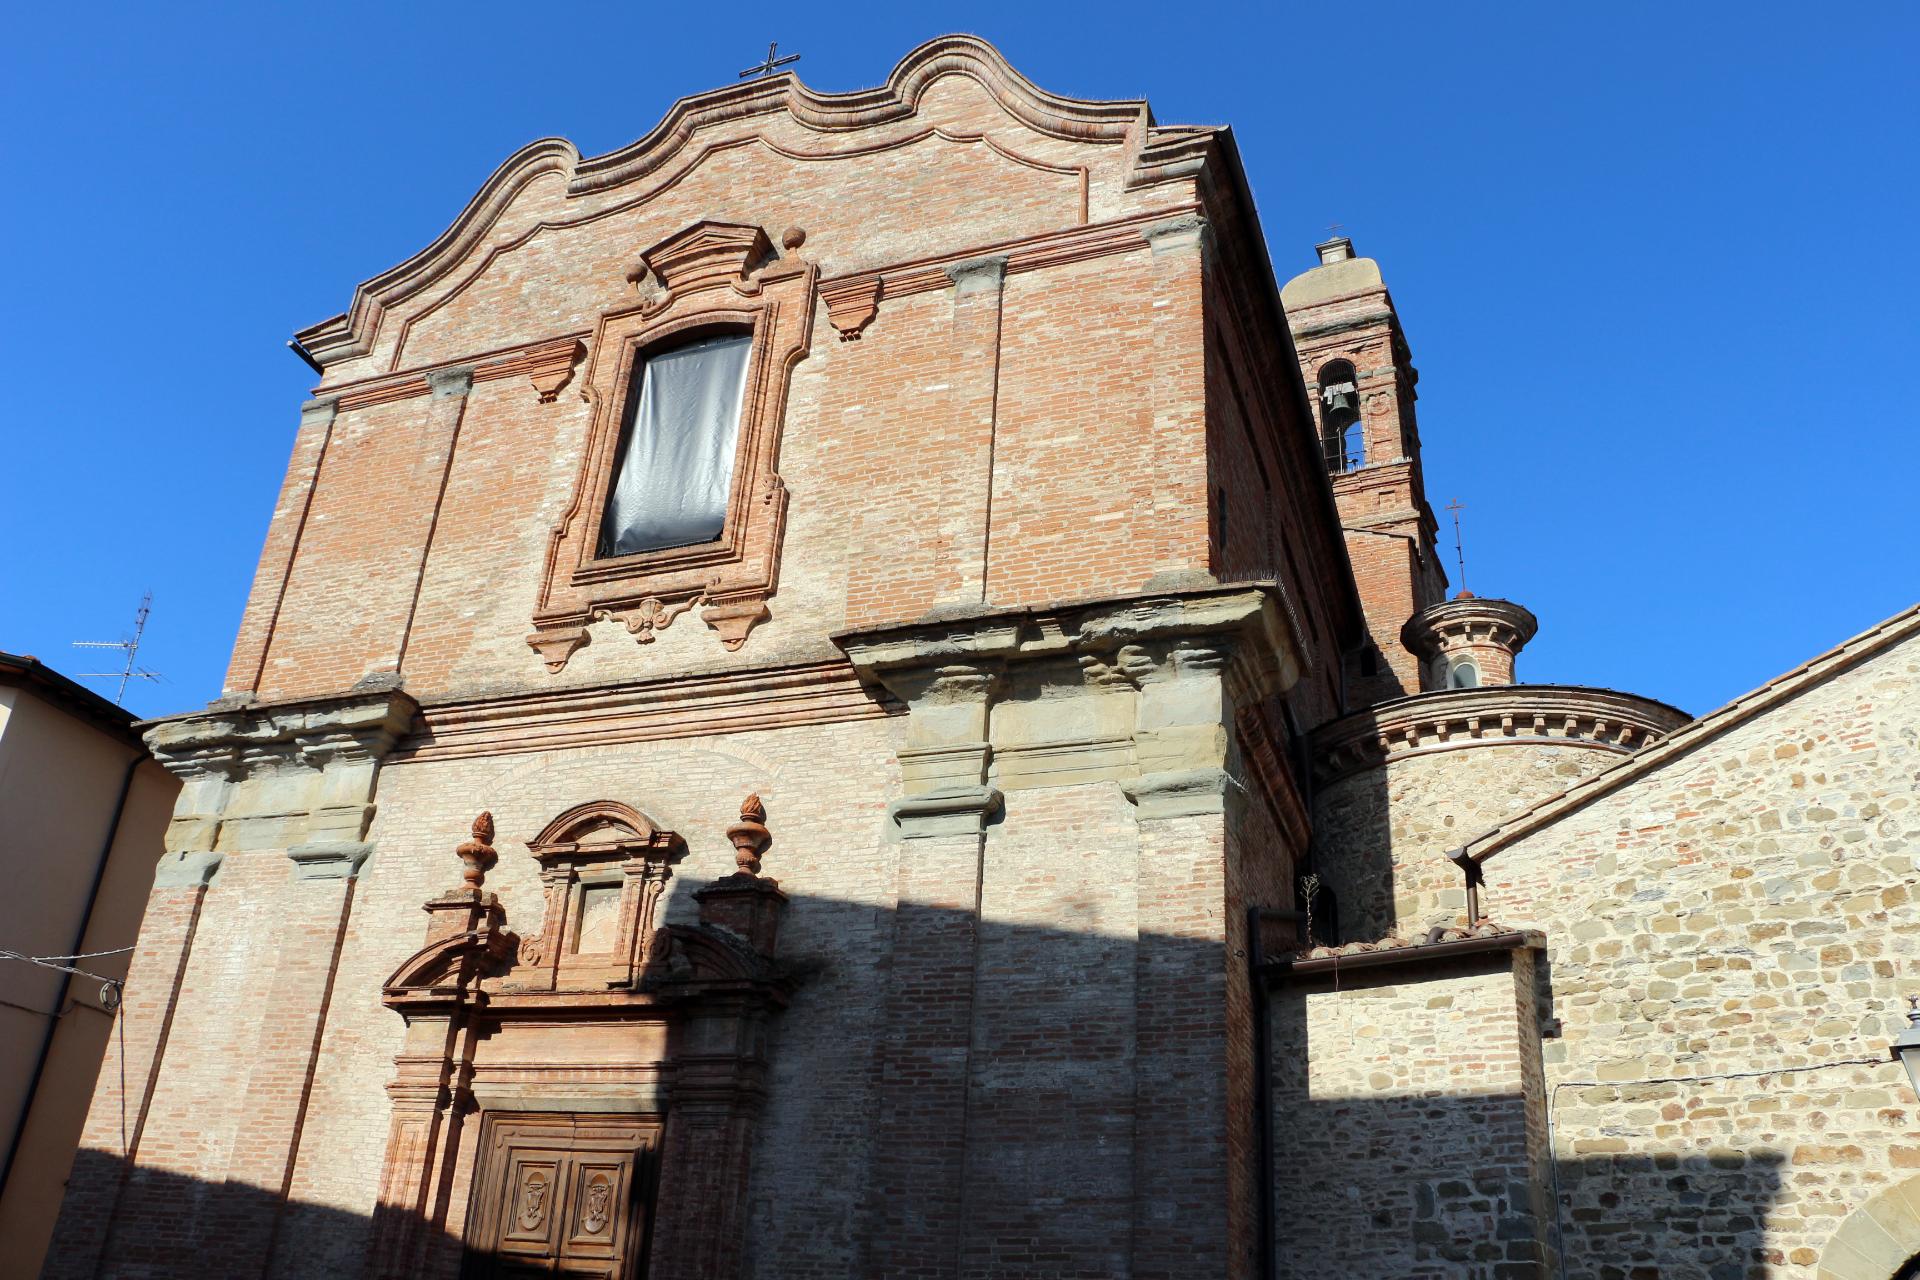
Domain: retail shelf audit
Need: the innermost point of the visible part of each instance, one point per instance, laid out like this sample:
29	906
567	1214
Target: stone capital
954	811
952	684
311	731
1250	621
186	870
1178	235
447	383
1073	693
328	860
978	275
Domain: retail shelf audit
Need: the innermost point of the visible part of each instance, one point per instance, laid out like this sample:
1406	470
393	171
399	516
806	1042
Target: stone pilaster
283	540
1140	694
921	1128
295	781
116	1120
1177	307
973	385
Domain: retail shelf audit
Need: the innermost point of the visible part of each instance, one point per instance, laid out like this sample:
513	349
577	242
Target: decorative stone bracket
851	304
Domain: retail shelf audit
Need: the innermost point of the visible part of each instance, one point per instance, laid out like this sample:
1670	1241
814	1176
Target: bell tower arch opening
1343	433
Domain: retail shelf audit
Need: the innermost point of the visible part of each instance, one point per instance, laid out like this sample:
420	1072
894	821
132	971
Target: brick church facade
854	689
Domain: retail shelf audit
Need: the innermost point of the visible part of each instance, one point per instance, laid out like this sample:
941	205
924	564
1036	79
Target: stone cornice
1501	622
1305	331
229	741
1159	155
1096	633
678	706
1502	715
1157	679
547	364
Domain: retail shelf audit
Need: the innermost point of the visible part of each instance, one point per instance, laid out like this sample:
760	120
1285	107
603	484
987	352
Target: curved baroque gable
1156	154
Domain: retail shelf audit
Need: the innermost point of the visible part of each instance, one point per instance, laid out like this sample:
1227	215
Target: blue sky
1656	262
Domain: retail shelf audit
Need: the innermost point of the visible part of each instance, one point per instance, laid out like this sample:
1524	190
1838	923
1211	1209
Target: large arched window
1342	435
674	471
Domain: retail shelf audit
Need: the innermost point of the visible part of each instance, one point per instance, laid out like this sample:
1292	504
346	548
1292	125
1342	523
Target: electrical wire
52	962
89	955
1553	1104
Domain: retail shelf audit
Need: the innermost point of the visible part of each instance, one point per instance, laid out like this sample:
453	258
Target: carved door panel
561	1195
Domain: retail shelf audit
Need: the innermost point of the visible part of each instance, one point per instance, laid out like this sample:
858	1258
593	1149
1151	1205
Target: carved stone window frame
600	844
712	277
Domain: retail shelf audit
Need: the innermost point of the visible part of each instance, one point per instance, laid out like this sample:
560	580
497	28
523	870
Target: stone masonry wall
1747	908
1400	1102
1381	836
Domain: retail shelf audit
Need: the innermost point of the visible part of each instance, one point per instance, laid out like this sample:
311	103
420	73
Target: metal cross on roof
1456	506
772	63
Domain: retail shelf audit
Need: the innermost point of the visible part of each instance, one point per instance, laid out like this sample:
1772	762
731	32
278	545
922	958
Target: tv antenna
131	648
1456	507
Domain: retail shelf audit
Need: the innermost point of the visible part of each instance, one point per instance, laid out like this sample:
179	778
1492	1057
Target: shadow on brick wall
1087	1068
1090	1080
180	1226
1353	856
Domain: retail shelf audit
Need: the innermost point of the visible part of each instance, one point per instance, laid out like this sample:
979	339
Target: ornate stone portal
585	1097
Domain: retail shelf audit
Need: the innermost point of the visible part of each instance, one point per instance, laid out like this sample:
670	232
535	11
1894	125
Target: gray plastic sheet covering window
676	459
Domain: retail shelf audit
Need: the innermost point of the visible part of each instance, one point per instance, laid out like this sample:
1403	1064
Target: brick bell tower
1360	378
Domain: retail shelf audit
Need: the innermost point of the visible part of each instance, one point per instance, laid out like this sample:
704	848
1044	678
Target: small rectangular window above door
676	462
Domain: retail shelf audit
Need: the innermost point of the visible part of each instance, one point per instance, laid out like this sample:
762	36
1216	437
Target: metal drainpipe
79	940
1262	1086
1475	877
306	357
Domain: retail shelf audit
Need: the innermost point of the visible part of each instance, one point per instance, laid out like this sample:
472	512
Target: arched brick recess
1878	1239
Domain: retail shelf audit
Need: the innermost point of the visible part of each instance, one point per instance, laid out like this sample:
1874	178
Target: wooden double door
562	1194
